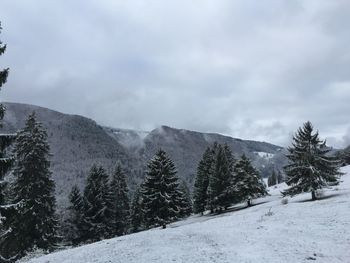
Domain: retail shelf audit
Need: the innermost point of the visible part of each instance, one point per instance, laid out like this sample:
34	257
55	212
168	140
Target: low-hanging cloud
254	70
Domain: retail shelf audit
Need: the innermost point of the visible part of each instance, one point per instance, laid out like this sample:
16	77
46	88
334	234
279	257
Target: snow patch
265	155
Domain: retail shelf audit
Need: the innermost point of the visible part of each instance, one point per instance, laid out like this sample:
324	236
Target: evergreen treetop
310	166
247	182
160	191
200	193
220	196
121	206
34	223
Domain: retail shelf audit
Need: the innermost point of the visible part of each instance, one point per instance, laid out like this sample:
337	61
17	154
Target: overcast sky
249	69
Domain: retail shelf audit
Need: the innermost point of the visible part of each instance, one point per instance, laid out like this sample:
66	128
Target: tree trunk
313	194
164	226
249	202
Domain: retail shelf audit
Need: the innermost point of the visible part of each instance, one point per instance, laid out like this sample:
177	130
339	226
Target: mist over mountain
77	143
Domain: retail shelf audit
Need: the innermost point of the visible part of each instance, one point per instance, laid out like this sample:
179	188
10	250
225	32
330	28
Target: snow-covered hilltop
299	231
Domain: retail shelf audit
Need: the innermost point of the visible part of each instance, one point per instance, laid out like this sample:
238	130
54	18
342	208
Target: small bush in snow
269	213
336	189
284	201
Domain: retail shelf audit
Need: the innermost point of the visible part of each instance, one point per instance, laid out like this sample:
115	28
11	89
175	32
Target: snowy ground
300	231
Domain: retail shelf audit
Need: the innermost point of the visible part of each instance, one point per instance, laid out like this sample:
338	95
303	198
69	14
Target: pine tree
280	178
272	180
247	182
185	203
121	201
34	224
220	179
76	215
6	161
98	206
200	193
136	212
310	167
160	191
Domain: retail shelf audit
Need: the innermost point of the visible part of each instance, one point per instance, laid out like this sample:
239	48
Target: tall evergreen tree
247	182
121	201
310	166
136	212
185	201
280	178
98	206
76	215
34	224
220	179
272	180
6	161
200	193
160	191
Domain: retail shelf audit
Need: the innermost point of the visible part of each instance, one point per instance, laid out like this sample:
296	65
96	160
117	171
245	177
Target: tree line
222	181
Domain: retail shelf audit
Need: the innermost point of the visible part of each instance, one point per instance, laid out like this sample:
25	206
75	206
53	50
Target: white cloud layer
250	69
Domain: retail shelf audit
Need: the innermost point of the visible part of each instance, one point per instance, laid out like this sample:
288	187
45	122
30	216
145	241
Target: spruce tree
76	210
98	206
6	160
220	179
185	203
200	192
247	182
310	166
160	191
272	180
34	223
280	178
136	212
121	206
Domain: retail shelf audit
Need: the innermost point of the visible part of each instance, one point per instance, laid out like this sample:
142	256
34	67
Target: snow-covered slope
300	231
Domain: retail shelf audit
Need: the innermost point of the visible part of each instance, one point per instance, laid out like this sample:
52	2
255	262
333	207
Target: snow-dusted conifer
160	191
272	180
310	166
280	178
220	179
121	206
247	182
136	212
34	224
200	192
185	203
76	215
98	206
6	161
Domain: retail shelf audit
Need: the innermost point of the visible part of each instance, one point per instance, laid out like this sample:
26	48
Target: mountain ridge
77	142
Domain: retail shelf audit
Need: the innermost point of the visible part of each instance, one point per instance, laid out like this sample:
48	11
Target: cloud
247	69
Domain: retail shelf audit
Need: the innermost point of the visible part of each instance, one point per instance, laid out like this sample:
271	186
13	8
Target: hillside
300	231
78	142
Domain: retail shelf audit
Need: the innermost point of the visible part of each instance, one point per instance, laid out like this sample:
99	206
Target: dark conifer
220	196
160	191
34	223
272	180
310	166
247	181
136	212
200	192
185	203
98	206
76	220
121	206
